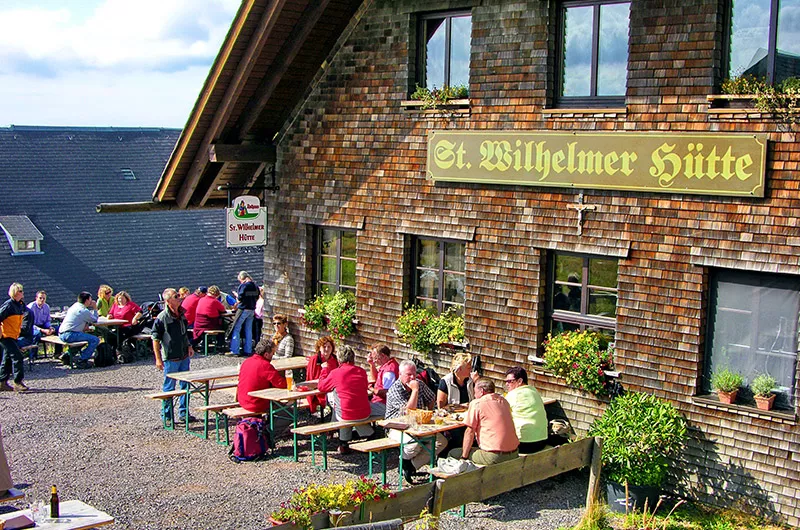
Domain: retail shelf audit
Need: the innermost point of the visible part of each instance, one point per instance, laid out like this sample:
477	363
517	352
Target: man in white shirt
79	317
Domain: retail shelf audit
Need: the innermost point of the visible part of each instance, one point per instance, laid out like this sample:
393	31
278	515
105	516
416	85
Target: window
26	245
439	274
444	48
594	53
752	328
582	293
764	39
335	262
127	173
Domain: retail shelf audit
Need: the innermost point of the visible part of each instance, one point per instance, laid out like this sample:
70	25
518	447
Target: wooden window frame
440	271
772	41
318	255
421	70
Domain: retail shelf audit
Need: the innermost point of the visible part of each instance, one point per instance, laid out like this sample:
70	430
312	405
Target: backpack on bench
252	441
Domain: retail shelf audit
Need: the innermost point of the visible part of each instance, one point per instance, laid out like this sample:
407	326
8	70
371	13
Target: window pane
459	50
787	60
612	60
602	303
577	51
749	38
427	284
454	257
348	244
454	288
561	327
328	270
348	273
603	272
327	243
560	299
326	288
568	268
428	251
434	52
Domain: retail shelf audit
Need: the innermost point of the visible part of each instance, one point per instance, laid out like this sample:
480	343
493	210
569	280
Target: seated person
41	316
189	304
409	393
125	309
527	410
457	387
282	338
384	371
489	420
320	363
76	323
257	373
104	301
346	386
208	315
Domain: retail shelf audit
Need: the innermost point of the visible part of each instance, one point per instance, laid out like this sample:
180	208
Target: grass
683	516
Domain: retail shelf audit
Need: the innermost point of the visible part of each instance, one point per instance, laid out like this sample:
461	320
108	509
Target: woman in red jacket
319	364
348	384
208	316
257	373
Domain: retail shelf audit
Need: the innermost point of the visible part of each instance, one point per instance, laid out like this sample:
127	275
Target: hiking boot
344	448
65	359
409	471
20	387
83	365
5	387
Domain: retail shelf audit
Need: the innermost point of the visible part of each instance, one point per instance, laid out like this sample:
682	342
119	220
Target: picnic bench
32	350
12	495
207	336
71	346
319	433
376	449
169	423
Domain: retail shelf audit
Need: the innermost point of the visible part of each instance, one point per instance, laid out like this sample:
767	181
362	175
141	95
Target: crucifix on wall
580	207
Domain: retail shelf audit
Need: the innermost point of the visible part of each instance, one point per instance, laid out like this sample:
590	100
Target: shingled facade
679	278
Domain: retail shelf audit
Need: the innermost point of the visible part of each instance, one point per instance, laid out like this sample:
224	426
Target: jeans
79	336
12	361
169	385
245	318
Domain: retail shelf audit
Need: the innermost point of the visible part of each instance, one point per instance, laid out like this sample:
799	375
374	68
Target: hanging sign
247	222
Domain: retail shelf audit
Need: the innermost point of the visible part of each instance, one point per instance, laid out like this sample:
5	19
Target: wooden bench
376	448
71	346
211	333
169	423
32	350
237	413
12	495
217	411
319	433
144	345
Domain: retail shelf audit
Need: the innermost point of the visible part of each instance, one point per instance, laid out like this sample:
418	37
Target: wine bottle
53	503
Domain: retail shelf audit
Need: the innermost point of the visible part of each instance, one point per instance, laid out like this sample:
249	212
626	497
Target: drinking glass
289	380
37	511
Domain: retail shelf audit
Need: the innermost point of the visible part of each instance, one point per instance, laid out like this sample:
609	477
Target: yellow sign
708	164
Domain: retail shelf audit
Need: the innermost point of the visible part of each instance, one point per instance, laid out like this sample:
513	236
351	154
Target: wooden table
12	495
115	323
282	400
74	515
199	381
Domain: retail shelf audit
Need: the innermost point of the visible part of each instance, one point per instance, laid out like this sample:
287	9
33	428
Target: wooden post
593	491
437	498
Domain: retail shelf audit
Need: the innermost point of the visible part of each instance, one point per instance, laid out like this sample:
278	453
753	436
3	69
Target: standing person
79	317
41	315
384	371
173	349
208	316
489	420
527	410
319	364
282	339
189	304
347	387
457	387
409	393
104	301
258	316
257	373
11	313
247	296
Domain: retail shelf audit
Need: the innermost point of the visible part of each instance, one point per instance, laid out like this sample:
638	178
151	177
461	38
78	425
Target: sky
118	63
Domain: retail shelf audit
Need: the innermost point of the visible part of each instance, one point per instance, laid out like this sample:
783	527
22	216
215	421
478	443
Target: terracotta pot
727	397
765	403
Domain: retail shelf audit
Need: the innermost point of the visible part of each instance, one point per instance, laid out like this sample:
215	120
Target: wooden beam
234	89
241	153
291	47
144	206
593	491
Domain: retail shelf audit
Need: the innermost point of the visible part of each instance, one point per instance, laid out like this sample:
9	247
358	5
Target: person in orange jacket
11	313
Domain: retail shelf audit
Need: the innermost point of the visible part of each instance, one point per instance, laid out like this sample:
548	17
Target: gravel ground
94	435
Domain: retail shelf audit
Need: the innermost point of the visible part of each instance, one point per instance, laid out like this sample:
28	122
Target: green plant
763	385
439	96
315	498
595	517
726	380
639	431
744	85
582	358
648	520
426	521
423	330
333	312
781	101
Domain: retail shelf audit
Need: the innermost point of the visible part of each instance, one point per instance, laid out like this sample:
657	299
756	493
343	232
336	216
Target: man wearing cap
189	303
247	298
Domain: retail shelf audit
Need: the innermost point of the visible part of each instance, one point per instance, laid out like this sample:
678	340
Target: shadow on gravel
89	390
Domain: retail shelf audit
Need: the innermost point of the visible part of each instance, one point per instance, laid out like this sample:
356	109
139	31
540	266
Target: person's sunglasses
510	380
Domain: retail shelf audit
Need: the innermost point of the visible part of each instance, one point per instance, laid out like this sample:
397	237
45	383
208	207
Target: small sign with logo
247	222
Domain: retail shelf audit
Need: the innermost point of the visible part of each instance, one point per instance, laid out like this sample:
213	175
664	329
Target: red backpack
252	440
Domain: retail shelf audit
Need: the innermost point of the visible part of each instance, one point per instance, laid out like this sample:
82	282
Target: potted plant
727	384
335	313
582	358
762	387
640	432
422	329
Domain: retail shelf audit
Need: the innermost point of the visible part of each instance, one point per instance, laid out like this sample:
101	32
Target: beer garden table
73	515
282	400
115	323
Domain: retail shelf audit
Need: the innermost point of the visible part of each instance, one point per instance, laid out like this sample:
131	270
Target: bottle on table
54	503
289	379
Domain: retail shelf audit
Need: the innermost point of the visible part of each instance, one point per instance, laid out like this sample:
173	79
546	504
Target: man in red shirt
189	304
489	419
384	371
257	373
348	387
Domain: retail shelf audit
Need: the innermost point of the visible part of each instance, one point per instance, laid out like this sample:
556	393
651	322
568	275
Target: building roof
271	55
55	176
19	227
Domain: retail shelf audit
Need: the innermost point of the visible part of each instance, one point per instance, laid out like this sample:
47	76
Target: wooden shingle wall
353	158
